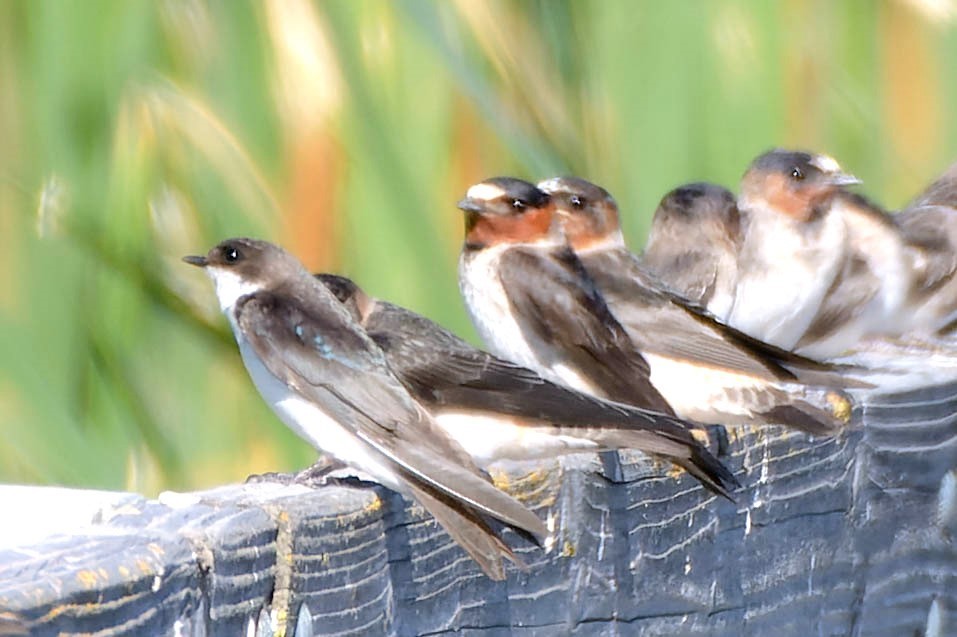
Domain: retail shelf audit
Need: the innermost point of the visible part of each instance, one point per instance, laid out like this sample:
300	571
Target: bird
498	410
791	249
327	380
533	303
929	227
707	371
693	245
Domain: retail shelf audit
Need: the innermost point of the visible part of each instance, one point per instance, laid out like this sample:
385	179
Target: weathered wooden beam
846	536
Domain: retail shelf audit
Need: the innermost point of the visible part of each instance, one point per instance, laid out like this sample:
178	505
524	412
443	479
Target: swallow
693	245
327	380
498	410
792	250
533	303
929	227
707	371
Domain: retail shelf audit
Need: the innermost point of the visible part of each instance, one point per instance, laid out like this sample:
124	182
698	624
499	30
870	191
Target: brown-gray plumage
693	245
329	381
451	377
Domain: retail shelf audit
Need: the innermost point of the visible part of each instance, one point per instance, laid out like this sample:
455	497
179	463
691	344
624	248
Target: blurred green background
134	132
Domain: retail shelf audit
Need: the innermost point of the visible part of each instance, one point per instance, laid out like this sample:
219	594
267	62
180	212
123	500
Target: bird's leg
317	474
313	475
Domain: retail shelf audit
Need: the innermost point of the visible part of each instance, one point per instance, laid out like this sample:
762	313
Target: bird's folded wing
664	323
559	302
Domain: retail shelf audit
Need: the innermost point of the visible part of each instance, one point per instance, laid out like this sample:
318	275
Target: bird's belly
490	438
702	393
317	427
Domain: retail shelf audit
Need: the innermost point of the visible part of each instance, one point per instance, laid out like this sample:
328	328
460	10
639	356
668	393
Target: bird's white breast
314	425
783	276
230	287
489	307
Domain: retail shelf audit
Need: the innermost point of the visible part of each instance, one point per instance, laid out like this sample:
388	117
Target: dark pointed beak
844	179
197	261
470	205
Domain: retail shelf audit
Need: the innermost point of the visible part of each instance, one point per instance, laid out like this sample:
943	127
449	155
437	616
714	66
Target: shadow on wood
845	536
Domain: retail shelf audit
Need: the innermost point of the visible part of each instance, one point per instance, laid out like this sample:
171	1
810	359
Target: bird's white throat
230	287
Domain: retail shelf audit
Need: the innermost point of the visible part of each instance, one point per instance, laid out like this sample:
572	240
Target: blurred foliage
135	132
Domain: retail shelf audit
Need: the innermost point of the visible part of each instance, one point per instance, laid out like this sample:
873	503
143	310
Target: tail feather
817	412
710	472
469	530
681	449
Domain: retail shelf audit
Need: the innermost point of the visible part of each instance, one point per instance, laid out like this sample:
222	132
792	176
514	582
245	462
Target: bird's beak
470	205
843	179
197	261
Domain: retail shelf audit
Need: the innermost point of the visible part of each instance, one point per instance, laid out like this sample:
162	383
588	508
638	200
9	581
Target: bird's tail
671	439
709	471
817	411
468	528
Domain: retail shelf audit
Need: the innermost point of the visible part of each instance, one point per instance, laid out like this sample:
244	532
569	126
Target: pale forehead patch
485	192
550	185
825	163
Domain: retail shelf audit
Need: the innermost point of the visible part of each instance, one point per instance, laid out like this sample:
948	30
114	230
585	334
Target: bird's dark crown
798	166
693	200
503	196
576	191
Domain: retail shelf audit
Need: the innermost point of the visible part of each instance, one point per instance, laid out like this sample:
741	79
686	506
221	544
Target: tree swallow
497	410
707	371
533	303
791	248
328	381
693	245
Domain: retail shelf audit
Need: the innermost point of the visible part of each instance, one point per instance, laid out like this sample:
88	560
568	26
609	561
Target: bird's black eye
577	202
797	174
230	255
518	204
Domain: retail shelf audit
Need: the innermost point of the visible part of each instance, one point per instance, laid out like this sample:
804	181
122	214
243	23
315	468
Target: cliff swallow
331	384
693	245
791	248
533	303
706	371
929	228
497	410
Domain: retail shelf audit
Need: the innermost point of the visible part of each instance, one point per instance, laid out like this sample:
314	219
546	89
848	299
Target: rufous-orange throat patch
797	203
493	229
